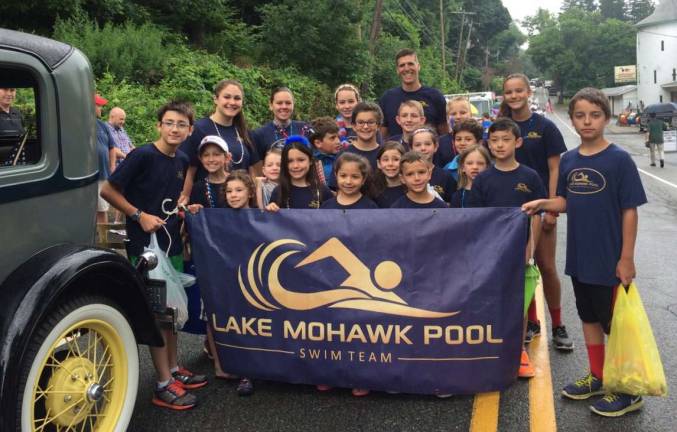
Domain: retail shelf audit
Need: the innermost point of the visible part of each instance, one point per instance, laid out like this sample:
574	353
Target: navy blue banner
417	301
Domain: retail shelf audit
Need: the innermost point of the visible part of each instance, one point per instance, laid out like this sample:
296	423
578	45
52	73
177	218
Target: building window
654	77
662	45
674	74
660	98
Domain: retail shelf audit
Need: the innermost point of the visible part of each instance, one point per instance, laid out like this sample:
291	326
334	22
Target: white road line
648	174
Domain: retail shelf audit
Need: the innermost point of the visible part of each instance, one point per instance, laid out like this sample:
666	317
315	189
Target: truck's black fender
51	276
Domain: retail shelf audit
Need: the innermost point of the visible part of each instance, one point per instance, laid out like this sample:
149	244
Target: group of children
343	163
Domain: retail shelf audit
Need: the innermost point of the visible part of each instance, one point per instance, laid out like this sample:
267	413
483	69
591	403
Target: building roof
666	11
618	91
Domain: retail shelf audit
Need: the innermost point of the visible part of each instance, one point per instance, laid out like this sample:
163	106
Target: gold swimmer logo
356	292
522	187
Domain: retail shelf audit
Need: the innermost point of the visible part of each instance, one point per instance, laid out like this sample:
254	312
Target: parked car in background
664	111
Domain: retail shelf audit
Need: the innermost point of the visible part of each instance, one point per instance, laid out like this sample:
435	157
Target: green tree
637	10
612	9
586	5
299	33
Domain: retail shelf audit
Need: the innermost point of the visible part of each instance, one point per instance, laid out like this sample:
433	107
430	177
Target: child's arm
272	207
184	198
149	223
535	232
259	192
550	220
625	269
556	205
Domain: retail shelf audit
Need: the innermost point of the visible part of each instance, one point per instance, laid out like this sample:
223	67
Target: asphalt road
285	407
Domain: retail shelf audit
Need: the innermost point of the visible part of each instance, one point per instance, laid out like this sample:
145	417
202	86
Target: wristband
136	216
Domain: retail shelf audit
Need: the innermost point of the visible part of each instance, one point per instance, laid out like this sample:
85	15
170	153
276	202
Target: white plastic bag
175	281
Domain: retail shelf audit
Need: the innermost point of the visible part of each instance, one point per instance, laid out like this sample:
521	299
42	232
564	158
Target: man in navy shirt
105	148
434	104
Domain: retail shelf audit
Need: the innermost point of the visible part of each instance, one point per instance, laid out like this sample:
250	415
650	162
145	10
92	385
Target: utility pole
459	52
461	62
443	36
373	37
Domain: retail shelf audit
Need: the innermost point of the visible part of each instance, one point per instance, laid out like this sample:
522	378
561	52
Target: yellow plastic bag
632	363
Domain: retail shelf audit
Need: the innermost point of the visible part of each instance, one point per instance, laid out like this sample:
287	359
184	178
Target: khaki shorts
101	204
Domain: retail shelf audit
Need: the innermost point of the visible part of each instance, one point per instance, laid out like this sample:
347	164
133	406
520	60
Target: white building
621	98
657	55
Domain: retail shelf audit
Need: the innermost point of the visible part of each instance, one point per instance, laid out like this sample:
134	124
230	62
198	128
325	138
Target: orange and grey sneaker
360	392
526	369
188	379
174	396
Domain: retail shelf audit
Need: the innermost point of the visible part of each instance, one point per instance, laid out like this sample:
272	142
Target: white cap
213	139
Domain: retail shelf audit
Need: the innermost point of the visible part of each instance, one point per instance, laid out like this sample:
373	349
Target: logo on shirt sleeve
522	187
585	181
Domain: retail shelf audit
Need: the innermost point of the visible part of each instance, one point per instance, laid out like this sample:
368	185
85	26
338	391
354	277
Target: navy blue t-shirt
434	106
391	194
541	140
495	188
303	197
443	182
445	152
210	195
370	155
204	127
400	139
597	189
266	135
363	203
405	202
145	178
460	198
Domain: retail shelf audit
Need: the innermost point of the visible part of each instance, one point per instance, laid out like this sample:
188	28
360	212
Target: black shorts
595	303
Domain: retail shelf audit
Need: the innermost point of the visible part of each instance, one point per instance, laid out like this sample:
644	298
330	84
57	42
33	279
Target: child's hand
183	200
625	270
150	223
549	221
195	208
272	207
532	207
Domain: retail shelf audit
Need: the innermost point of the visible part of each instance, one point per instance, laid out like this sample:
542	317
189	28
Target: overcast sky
519	9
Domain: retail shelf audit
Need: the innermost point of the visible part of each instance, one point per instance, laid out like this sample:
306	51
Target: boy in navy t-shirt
415	172
509	184
139	188
600	189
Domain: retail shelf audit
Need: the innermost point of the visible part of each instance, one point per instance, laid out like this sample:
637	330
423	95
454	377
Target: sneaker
560	339
189	380
617	404
533	330
662	163
323	387
584	388
245	387
360	392
526	369
174	396
444	395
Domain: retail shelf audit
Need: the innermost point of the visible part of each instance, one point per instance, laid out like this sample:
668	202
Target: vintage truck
71	314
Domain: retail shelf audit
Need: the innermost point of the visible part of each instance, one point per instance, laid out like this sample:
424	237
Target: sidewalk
615	129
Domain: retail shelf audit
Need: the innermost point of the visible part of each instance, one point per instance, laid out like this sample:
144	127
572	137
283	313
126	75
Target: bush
132	52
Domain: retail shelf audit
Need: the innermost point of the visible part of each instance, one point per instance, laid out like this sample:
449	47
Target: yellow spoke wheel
84	375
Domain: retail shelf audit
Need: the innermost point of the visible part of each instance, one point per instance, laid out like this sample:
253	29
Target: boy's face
424	143
463	140
329	144
589	120
389	163
271	166
366	125
503	144
516	93
174	128
409	119
415	176
459	111
213	158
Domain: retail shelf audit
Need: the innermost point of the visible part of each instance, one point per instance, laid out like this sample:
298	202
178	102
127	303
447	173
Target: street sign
625	74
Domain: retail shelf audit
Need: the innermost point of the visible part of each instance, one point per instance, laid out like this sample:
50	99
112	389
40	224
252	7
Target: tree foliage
581	48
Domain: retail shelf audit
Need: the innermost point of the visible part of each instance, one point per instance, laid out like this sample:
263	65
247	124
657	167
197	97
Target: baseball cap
213	139
100	101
